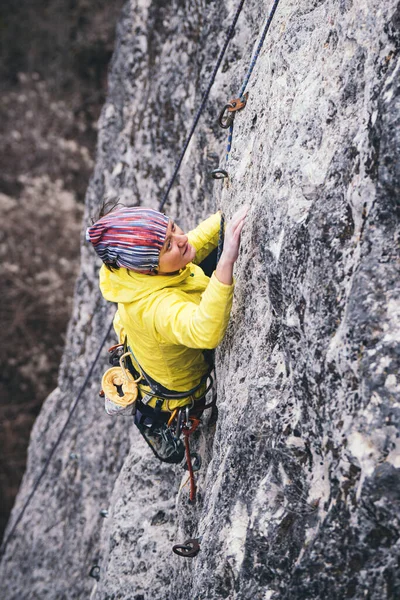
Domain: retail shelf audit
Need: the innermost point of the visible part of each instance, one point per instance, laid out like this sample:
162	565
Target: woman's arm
205	237
224	271
203	326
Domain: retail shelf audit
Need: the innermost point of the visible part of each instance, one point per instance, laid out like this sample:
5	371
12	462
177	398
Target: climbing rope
188	429
162	203
242	97
45	467
203	103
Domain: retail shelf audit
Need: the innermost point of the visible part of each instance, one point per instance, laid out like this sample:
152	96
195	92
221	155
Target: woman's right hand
230	252
232	235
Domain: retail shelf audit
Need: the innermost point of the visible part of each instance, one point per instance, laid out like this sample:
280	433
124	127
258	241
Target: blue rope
229	35
229	145
250	70
258	50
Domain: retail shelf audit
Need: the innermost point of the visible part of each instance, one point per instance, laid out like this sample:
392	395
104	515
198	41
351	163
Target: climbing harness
188	549
163	433
226	122
164	438
161	430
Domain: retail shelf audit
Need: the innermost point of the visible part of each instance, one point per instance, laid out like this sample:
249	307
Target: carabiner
114	354
233	106
179	423
225	124
219	174
95	572
187	423
172	417
188	549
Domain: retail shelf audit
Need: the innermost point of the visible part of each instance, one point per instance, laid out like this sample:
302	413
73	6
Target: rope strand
250	71
39	479
258	50
162	203
202	105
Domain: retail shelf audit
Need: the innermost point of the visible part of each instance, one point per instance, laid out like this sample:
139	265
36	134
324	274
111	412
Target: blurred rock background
54	59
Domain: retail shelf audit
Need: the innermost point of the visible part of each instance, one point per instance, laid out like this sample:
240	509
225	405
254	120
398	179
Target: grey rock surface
299	489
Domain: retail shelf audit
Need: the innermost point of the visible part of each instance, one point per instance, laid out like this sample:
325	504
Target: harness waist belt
158	388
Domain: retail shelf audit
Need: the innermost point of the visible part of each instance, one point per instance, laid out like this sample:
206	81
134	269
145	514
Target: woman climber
169	311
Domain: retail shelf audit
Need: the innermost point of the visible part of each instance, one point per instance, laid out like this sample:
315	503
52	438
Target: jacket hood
127	286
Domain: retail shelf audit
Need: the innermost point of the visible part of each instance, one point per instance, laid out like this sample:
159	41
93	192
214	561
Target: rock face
299	489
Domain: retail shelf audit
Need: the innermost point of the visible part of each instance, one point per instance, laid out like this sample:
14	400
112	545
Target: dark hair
106	208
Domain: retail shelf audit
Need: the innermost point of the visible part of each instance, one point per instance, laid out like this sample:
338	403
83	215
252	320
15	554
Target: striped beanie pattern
130	237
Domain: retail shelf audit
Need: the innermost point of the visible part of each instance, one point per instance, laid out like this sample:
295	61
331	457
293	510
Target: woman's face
176	252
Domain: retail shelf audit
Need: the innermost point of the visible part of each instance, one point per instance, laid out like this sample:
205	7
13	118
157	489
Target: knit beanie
130	238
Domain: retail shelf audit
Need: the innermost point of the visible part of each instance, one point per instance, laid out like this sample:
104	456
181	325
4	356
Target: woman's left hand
230	253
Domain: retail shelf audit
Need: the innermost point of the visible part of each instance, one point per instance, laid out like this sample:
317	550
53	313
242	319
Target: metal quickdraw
226	122
188	549
219	174
95	572
232	107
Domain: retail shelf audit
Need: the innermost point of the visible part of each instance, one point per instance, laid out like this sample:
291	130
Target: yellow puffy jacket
170	319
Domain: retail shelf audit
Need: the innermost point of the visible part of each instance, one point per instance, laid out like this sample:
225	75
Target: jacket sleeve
205	237
202	326
119	328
